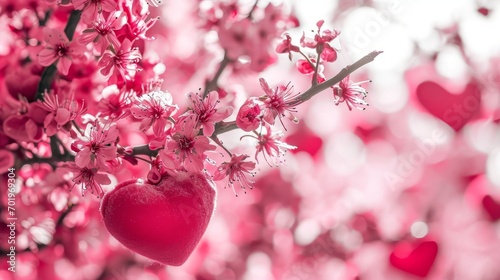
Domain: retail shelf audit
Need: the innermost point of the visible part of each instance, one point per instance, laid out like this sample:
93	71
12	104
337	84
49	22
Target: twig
339	77
223	127
212	84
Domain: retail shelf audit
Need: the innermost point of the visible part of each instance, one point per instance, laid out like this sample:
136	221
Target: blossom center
61	50
185	143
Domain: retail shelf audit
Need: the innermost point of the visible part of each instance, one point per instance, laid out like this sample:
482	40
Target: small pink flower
269	144
102	32
351	93
279	103
286	46
90	179
61	112
115	103
187	145
321	42
96	146
236	171
90	8
22	129
206	112
305	67
154	109
249	115
59	49
137	21
234	37
123	62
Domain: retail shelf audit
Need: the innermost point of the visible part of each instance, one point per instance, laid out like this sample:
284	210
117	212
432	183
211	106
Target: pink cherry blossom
188	146
250	114
269	145
286	46
321	42
22	128
138	21
102	32
236	171
233	37
59	49
279	103
90	8
154	109
206	112
96	145
351	93
123	62
115	103
90	179
61	112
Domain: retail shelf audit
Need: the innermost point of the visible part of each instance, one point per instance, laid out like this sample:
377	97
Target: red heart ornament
492	207
163	222
454	109
416	259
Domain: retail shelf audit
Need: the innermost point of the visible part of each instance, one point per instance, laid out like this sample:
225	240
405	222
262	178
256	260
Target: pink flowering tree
122	129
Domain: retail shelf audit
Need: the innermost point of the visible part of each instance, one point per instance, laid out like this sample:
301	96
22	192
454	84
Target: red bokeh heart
456	110
305	140
163	222
416	259
491	207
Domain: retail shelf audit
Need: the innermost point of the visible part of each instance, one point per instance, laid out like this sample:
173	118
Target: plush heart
454	109
492	207
416	258
163	222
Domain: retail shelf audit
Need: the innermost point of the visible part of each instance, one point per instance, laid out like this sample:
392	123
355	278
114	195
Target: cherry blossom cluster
86	79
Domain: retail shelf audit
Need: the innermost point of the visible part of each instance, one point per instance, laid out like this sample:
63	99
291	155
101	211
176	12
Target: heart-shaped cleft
163	222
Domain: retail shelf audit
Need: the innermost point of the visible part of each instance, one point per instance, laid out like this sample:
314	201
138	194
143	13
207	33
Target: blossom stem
144	150
77	127
218	142
307	58
143	159
346	71
49	72
212	84
315	75
43	21
250	14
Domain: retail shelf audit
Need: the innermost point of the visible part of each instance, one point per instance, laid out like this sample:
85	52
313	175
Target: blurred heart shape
492	207
163	222
305	140
416	258
456	110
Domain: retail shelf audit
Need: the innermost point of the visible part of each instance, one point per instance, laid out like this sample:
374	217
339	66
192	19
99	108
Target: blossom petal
82	158
54	37
46	57
62	116
63	65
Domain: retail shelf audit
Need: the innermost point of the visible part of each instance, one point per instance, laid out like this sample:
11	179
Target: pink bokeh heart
456	110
